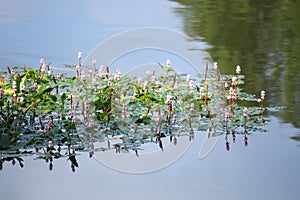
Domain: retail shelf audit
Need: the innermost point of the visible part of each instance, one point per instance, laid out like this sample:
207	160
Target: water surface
261	36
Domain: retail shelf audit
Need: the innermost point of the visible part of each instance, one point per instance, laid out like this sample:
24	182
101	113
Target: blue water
268	168
57	30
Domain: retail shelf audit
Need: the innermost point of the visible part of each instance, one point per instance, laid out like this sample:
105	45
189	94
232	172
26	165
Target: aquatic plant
56	115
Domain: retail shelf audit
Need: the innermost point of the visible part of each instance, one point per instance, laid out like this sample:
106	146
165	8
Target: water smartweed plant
54	116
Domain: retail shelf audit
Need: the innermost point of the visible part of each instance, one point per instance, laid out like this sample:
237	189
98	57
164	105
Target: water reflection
262	36
51	154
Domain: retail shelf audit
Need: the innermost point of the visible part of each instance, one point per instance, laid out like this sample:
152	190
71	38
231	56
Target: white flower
94	62
245	111
101	72
168	62
22	86
262	94
79	55
215	65
42	61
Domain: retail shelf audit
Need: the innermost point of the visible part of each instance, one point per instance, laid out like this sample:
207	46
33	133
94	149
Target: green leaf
4	141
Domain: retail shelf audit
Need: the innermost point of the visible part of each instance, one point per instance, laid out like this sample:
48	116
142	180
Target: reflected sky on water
267	48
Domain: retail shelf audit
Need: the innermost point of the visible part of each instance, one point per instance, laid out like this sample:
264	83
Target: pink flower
134	96
58	76
234	81
192	107
245	111
201	92
94	62
77	71
226	117
50	123
35	87
262	95
1	93
188	78
50	144
168	62
43	69
226	85
231	91
191	84
258	100
20	98
174	117
118	74
72	117
124	106
238	69
109	83
231	95
3	79
145	85
46	129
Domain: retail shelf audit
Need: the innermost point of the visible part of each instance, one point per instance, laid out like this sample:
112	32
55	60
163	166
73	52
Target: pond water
261	36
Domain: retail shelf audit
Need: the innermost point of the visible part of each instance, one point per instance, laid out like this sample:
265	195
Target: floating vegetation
52	115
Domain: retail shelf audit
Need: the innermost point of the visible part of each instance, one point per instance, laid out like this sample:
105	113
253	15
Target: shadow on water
261	36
